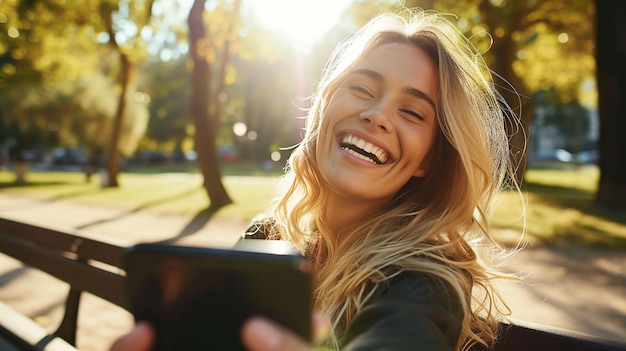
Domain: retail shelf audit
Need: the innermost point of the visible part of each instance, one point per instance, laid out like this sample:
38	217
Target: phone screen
198	298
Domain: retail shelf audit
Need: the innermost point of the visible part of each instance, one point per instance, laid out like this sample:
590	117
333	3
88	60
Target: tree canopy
61	56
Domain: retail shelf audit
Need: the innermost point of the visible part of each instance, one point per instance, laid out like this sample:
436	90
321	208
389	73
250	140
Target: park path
570	287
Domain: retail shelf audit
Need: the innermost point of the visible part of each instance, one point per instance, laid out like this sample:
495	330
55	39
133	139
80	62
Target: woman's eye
361	91
412	114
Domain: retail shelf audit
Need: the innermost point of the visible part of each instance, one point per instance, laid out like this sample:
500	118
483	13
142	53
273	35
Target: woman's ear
421	171
431	159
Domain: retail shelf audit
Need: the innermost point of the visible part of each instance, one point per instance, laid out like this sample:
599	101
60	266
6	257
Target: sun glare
303	22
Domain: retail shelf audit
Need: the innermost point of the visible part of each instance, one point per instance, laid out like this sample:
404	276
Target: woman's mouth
363	150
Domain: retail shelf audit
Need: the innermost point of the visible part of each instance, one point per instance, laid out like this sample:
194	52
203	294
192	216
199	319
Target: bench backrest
523	336
85	264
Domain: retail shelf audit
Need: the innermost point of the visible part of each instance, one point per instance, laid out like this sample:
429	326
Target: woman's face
380	125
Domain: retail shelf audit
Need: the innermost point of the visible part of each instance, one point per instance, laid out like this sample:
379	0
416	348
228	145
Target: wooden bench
524	336
86	265
92	266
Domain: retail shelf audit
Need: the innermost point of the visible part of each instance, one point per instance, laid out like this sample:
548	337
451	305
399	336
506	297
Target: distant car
564	156
32	155
68	157
152	157
584	157
589	157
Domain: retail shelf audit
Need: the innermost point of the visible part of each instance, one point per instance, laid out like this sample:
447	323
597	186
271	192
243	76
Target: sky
301	21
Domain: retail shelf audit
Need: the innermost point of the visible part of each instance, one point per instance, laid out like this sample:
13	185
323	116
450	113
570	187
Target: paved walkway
581	289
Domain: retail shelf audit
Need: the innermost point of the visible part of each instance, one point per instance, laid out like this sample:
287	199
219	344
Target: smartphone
198	298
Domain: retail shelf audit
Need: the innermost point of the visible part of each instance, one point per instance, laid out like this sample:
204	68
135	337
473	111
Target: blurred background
103	85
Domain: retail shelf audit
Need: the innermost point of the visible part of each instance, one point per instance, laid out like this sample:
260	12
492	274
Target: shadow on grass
12	274
564	198
88	189
30	184
142	207
581	200
551	189
198	222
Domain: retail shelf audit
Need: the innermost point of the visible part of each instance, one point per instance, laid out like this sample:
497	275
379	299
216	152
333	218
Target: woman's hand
257	334
260	334
141	338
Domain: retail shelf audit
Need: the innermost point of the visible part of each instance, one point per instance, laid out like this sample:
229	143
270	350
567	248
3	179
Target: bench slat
87	248
107	285
524	336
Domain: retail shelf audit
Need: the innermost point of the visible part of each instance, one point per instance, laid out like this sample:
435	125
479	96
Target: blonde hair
437	224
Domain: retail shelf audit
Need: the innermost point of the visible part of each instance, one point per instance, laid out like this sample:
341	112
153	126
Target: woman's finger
260	334
141	338
321	328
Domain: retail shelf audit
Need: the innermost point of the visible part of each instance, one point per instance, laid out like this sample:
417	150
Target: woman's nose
377	117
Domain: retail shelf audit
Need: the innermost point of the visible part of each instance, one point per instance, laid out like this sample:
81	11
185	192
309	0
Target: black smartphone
198	298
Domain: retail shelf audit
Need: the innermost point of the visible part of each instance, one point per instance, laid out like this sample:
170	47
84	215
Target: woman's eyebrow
408	90
420	95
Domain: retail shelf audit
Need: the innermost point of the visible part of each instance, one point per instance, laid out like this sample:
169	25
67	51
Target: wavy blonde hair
437	224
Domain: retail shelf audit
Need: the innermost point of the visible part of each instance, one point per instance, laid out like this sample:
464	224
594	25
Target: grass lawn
559	203
170	192
560	207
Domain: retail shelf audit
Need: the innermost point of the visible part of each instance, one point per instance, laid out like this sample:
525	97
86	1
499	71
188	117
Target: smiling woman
390	190
302	22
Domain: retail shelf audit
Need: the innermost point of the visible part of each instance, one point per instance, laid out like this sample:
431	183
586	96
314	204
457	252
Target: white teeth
358	155
365	146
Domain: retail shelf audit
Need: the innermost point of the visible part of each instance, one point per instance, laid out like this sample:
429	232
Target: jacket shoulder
413	310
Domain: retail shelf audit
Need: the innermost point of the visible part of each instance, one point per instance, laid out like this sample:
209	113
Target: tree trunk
113	163
611	77
511	18
93	163
127	74
205	129
517	99
21	169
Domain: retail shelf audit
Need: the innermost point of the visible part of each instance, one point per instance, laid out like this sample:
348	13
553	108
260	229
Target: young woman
390	191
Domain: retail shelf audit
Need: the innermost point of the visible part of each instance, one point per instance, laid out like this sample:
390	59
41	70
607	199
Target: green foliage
55	59
44	40
75	113
263	99
549	42
552	40
31	116
126	23
92	102
168	124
